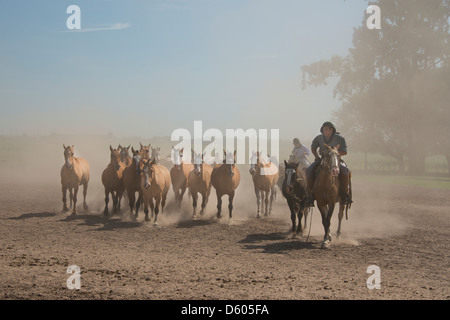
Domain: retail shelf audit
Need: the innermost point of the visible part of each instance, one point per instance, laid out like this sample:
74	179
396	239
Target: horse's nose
335	171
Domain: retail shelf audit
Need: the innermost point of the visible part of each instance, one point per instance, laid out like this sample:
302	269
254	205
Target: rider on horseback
332	138
299	154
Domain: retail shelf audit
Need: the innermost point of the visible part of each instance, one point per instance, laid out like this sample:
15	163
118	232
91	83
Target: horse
326	191
179	174
294	191
265	176
155	184
125	155
132	181
74	172
112	181
225	178
199	181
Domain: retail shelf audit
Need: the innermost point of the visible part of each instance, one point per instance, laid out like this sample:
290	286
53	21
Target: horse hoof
74	213
202	212
258	215
155	224
326	244
147	218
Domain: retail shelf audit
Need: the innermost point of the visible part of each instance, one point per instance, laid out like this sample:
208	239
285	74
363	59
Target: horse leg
71	197
266	203
138	203
75	193
219	205
64	199
324	213
258	202
230	203
85	206
182	191
157	203
106	212
194	204
300	216
163	201
114	197
152	208
340	216
204	200
293	217
131	200
273	195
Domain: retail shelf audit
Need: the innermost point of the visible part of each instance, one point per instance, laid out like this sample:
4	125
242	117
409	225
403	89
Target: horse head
177	157
254	160
145	151
136	159
230	162
198	161
124	154
68	156
147	169
115	158
290	172
331	159
156	154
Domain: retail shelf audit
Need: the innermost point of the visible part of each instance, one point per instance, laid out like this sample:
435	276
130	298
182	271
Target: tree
394	82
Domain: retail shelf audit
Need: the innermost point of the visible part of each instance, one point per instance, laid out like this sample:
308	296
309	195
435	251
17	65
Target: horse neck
324	174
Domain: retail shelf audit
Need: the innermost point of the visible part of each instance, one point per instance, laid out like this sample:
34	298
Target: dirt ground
402	230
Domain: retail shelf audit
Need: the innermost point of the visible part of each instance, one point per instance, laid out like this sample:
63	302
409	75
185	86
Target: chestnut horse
294	190
155	184
74	172
199	181
265	176
132	180
326	191
225	179
112	181
179	174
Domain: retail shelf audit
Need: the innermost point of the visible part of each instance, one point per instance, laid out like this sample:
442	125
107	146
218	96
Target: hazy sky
145	68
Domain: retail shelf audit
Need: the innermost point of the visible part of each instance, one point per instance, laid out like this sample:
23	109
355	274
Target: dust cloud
34	163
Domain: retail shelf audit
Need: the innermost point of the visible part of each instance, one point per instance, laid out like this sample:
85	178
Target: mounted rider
299	154
332	138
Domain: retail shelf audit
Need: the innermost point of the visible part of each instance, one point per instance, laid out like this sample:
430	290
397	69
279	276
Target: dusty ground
403	230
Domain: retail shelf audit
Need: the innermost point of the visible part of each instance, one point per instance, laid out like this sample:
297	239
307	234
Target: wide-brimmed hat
329	125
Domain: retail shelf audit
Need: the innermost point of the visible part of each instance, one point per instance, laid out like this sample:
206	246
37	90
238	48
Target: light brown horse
179	174
74	172
265	176
225	179
155	184
112	181
199	181
132	181
326	191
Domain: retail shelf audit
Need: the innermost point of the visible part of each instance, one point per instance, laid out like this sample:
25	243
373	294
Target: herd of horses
144	173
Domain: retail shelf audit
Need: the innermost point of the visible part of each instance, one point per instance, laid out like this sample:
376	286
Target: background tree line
394	84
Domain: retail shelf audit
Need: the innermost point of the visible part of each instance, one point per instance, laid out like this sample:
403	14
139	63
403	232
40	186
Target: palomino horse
155	184
294	190
265	176
112	181
326	191
179	174
132	180
156	154
199	181
225	179
74	172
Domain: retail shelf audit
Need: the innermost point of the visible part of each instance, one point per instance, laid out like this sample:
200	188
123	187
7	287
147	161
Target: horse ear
141	145
285	163
119	147
64	146
153	162
110	148
132	149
